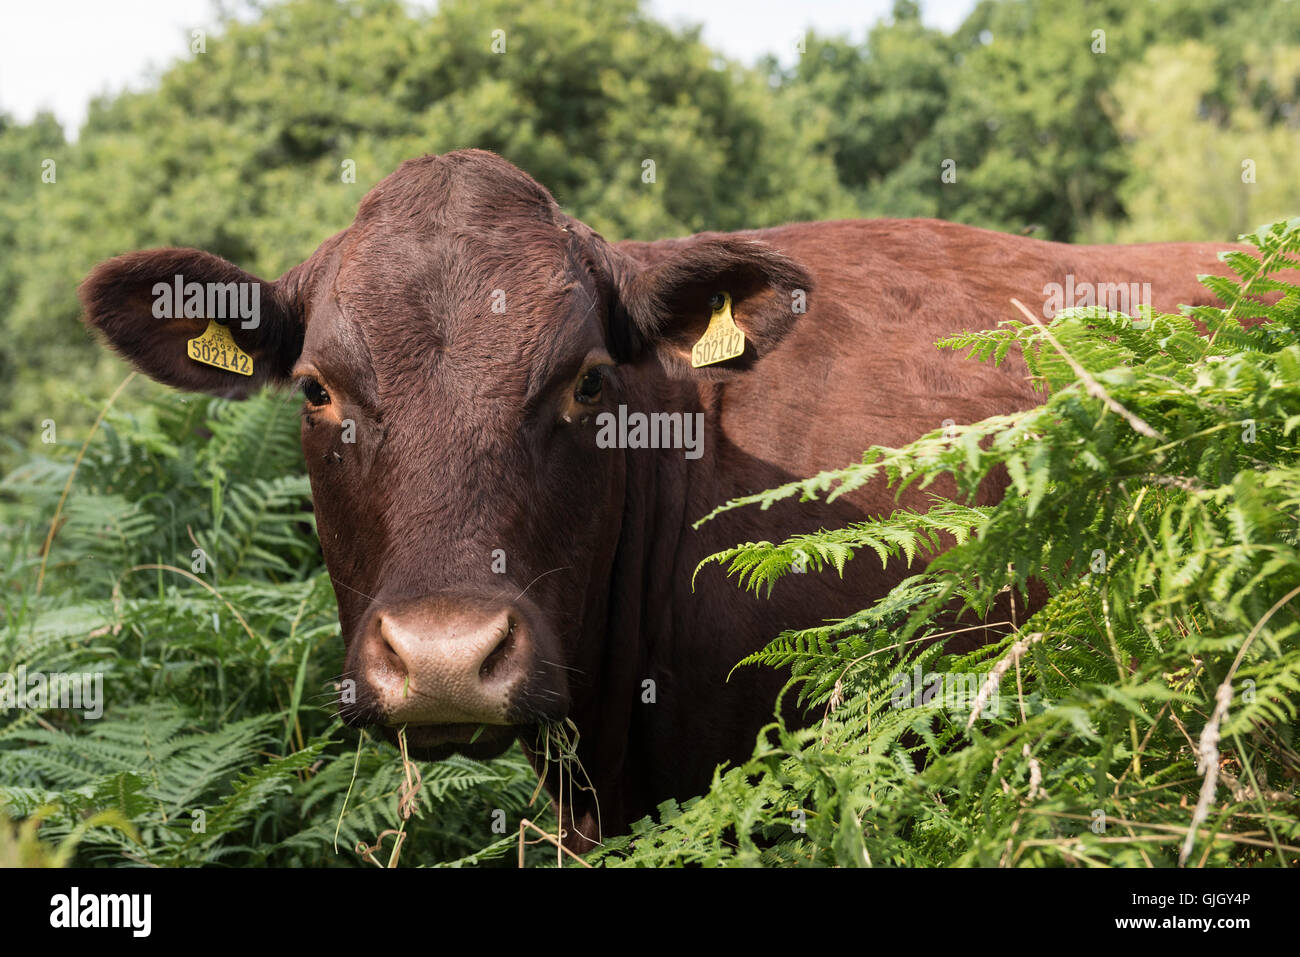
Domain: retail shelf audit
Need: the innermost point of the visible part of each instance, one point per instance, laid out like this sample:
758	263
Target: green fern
184	569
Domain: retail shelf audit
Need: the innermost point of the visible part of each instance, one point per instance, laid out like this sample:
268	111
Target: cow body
496	570
859	369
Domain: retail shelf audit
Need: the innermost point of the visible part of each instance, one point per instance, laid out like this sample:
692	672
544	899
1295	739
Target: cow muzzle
445	667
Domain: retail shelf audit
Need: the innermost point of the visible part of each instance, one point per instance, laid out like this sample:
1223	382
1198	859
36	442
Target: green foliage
185	569
1241	115
1155	493
1064	117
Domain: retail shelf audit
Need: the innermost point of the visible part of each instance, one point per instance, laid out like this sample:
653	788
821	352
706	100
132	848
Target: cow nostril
388	657
497	657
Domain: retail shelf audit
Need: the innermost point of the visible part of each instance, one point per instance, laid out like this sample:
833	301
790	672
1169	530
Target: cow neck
636	639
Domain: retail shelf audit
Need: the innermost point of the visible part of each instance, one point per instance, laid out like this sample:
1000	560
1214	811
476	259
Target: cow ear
148	306
670	304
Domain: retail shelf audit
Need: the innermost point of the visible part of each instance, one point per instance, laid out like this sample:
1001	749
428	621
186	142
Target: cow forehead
457	276
459	187
398	311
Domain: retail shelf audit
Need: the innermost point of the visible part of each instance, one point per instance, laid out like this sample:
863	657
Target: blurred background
1106	120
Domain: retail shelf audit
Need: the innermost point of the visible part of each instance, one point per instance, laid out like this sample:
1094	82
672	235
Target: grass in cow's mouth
343	808
406	806
558	741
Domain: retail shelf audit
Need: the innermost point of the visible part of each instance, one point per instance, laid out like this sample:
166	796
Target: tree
1210	156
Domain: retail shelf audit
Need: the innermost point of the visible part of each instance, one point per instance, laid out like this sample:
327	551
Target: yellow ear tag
216	347
722	340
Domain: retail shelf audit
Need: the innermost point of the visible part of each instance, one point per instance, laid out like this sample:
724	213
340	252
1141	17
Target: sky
57	54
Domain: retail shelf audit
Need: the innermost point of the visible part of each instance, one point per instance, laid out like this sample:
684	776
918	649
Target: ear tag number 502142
216	347
723	339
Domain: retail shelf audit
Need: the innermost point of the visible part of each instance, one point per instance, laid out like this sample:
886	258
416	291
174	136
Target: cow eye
315	393
588	389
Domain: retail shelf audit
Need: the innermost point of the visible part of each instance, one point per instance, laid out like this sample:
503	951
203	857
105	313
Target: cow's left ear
667	307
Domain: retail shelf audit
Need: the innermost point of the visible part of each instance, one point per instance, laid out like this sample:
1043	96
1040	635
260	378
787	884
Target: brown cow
463	348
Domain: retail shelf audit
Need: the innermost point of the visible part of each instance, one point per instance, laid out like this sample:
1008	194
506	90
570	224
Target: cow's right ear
149	305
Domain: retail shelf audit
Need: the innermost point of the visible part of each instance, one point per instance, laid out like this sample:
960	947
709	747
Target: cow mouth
434	742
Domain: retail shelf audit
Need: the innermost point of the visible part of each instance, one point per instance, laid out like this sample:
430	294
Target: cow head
454	348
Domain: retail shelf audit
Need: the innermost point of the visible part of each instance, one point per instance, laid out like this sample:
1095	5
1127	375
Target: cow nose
446	666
